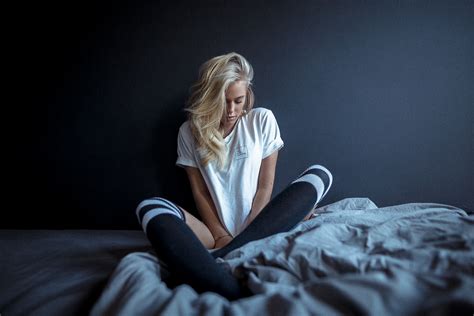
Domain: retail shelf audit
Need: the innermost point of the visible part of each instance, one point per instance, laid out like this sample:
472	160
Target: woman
229	151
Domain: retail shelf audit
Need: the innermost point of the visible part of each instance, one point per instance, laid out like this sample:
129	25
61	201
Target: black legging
191	263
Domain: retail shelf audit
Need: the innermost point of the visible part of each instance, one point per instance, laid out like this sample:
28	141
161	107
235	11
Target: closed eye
237	100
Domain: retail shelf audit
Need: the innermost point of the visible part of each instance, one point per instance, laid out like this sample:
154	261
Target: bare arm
266	180
205	205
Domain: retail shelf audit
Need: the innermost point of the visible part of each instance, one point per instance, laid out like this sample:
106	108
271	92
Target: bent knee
152	207
321	171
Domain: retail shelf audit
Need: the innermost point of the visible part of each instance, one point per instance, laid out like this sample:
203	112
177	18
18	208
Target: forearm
209	216
204	203
261	199
265	186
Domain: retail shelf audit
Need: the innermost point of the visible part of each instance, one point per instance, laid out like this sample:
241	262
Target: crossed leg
180	239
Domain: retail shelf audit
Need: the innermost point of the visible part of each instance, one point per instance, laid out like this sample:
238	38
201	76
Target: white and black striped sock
152	207
286	209
318	176
184	255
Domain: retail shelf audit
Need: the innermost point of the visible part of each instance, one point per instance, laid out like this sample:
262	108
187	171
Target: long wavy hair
207	103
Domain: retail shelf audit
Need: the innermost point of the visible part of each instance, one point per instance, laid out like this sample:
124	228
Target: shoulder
263	117
185	129
260	111
261	114
185	133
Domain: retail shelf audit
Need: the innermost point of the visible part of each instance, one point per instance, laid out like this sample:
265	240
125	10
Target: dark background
380	92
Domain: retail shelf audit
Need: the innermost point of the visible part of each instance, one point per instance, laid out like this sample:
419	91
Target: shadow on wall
171	181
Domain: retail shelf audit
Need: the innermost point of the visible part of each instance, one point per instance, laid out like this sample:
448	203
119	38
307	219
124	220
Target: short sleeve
270	134
185	147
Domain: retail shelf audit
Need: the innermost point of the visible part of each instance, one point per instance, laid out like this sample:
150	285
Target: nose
230	108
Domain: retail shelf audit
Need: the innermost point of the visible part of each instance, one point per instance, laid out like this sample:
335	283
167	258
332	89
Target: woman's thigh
200	229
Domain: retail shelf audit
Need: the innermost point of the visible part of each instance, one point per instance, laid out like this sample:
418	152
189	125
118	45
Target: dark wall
379	92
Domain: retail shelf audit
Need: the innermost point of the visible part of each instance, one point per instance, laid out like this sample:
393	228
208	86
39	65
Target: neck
227	129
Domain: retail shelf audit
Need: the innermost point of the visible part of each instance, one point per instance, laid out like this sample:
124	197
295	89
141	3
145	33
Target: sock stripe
153	213
315	181
148	205
323	173
319	177
171	204
155	201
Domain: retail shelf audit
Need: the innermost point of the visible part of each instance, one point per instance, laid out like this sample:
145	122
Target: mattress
59	272
353	258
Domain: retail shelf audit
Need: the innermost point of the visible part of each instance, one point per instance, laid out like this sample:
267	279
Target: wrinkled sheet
353	258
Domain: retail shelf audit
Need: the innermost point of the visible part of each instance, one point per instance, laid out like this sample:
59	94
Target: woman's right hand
222	241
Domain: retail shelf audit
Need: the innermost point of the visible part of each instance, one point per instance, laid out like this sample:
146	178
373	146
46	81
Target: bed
353	258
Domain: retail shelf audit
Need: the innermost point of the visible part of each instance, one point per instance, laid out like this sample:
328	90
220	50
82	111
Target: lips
231	118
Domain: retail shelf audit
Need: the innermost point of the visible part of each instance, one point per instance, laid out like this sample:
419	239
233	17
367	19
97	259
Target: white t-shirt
255	136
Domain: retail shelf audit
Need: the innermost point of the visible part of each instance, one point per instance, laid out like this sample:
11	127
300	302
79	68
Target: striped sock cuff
150	208
319	177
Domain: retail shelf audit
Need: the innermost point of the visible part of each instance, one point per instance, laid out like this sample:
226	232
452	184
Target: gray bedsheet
59	272
352	259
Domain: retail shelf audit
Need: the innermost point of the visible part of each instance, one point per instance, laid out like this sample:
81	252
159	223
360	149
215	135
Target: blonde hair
207	103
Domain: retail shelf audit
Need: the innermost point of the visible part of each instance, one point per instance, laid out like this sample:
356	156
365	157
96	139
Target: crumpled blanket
353	258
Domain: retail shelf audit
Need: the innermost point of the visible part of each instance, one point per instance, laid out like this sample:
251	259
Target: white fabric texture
232	188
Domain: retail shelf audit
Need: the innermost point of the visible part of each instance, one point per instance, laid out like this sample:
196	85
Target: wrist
220	237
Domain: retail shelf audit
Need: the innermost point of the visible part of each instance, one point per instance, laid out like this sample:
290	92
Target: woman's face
235	98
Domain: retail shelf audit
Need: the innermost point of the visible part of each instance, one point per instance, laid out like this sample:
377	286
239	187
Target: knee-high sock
286	210
177	246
